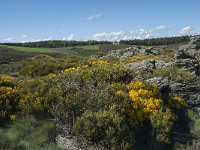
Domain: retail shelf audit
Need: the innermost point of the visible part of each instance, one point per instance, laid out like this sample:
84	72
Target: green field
81	51
28	49
86	50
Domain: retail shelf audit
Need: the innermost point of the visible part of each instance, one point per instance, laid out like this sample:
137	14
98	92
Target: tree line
57	43
157	41
145	42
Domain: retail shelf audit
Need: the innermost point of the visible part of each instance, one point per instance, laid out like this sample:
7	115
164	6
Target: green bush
42	65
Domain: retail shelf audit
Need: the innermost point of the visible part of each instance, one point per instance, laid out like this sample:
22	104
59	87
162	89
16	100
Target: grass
176	74
89	47
28	133
81	51
29	49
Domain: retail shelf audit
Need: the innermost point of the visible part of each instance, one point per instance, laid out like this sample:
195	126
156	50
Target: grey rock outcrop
181	55
148	64
140	65
147	51
189	92
124	54
193	47
187	64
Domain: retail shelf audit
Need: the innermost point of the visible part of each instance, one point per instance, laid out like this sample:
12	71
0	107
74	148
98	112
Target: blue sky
33	20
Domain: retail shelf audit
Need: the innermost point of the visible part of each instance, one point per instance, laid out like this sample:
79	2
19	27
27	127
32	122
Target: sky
114	20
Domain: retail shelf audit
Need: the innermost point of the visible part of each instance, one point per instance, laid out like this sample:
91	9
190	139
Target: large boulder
189	92
181	55
148	64
140	65
147	51
187	64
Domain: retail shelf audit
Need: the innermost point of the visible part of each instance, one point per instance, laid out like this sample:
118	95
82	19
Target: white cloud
71	37
9	39
120	35
37	40
111	36
161	27
187	30
94	16
24	41
64	38
24	36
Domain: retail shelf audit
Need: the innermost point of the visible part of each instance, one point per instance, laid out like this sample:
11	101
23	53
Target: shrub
42	65
97	101
162	122
106	127
9	99
146	99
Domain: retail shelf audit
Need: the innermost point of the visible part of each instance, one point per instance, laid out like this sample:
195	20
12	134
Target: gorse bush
9	99
146	99
43	65
97	101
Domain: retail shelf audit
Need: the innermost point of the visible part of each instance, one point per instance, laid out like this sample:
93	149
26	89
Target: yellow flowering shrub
6	81
120	92
9	98
51	75
146	99
99	62
140	58
74	69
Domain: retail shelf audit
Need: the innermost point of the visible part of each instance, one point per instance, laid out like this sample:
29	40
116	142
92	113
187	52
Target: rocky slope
146	61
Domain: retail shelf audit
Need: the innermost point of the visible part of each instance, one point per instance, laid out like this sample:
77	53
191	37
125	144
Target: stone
161	82
181	55
189	92
146	52
187	64
140	65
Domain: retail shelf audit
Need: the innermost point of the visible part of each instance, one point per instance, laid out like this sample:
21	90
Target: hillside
101	97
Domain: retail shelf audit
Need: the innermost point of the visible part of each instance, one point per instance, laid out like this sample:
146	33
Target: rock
161	82
197	69
146	52
187	64
140	65
163	86
189	92
181	55
126	55
148	64
121	54
162	64
193	47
